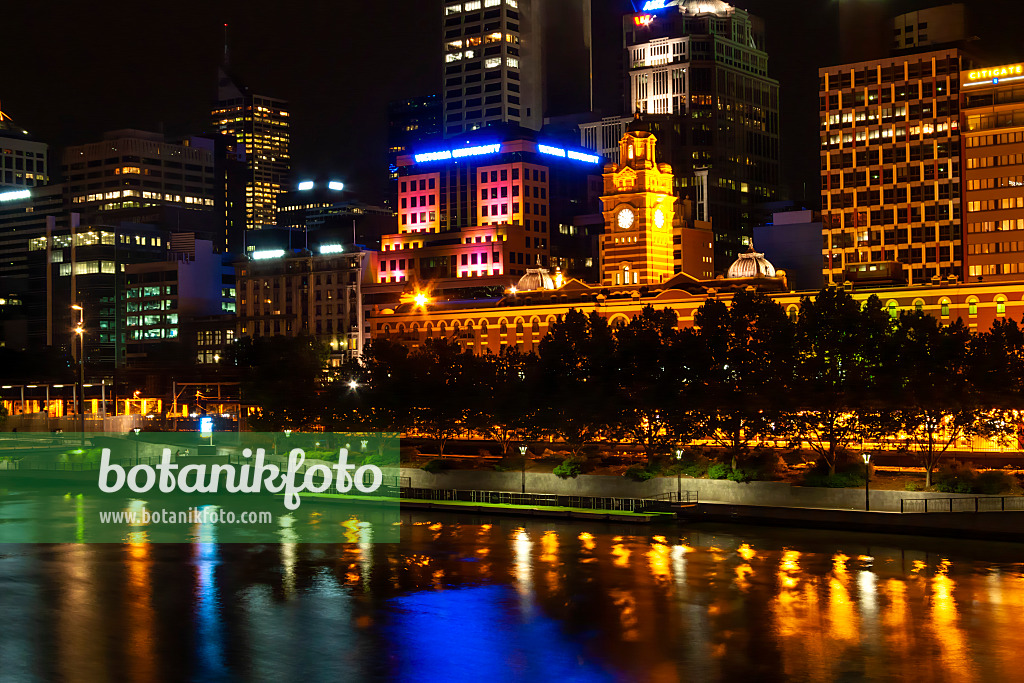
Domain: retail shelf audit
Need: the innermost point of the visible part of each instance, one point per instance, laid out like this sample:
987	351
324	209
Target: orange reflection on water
746	552
621	554
660	560
139	596
944	618
587	539
549	547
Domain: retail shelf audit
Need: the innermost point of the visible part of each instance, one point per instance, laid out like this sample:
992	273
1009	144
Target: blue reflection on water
479	634
209	625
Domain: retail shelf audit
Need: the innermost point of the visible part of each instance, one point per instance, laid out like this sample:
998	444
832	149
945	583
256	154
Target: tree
840	369
577	378
743	369
374	394
940	401
510	409
285	378
446	390
648	405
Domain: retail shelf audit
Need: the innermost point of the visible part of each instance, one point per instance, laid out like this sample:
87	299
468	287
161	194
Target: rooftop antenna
225	44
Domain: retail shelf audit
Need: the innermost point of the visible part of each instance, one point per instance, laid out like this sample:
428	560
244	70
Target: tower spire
225	44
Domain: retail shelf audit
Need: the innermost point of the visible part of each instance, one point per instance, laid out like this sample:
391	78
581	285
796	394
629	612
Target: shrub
569	468
992	482
718	471
638	473
741	475
955	478
913	486
847	474
436	466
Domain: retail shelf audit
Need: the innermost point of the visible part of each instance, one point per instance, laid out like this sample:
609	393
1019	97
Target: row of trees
839	374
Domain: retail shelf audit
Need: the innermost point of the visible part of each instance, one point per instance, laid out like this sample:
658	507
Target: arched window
893	308
918	306
972	307
504	333
1001	305
944	308
792	312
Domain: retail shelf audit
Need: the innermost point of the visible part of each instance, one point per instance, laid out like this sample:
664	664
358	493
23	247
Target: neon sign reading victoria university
457	153
568	154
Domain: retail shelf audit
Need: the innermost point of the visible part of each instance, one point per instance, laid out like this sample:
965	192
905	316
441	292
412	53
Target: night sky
73	70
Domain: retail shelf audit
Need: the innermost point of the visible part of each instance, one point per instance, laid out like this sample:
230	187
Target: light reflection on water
504	600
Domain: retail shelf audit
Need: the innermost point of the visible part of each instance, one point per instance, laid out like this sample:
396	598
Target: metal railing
962	504
677	497
536	499
27	465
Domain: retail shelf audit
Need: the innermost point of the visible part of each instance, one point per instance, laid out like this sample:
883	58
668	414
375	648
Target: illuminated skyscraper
260	125
698	72
493	64
22	159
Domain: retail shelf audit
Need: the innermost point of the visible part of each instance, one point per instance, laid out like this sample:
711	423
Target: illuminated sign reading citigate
995	73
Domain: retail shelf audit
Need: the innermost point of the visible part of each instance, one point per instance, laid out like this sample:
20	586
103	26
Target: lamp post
679	475
867	478
80	333
522	452
136	430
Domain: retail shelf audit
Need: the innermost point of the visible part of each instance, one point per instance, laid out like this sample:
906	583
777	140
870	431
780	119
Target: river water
465	598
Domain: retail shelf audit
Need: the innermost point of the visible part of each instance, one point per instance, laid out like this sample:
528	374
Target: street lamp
522	452
679	475
867	478
136	431
80	333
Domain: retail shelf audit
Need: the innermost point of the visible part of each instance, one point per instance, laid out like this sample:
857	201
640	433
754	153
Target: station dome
535	278
751	264
695	7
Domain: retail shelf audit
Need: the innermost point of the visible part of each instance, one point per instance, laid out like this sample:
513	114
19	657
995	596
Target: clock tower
639	209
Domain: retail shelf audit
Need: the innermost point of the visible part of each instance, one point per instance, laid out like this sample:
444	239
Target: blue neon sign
481	150
446	154
568	154
652	5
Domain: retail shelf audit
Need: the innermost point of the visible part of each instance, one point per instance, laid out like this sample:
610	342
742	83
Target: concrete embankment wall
770	493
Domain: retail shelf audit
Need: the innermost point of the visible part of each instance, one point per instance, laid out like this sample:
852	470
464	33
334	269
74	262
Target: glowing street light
522	452
679	475
80	333
867	478
353	385
512	290
421	300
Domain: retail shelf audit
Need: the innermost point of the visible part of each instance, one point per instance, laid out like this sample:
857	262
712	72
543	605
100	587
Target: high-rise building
411	122
493	64
890	165
300	293
930	27
698	72
321	212
992	126
260	126
23	160
131	169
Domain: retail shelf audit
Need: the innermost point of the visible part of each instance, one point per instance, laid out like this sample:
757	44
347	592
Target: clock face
624	219
659	218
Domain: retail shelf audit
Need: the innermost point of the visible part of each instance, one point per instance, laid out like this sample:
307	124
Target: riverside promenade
758	502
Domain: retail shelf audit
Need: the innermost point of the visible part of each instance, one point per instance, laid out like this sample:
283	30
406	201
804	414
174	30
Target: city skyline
171	72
